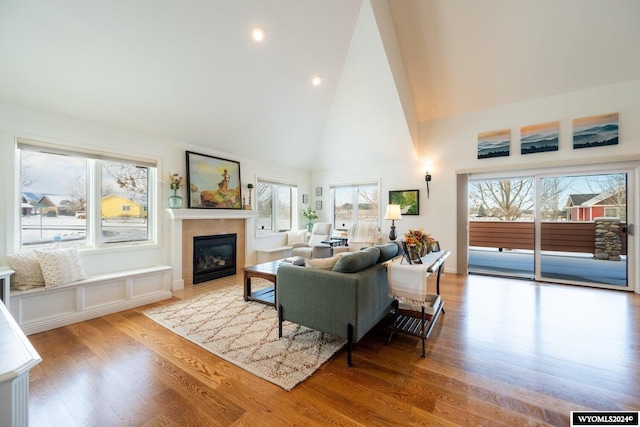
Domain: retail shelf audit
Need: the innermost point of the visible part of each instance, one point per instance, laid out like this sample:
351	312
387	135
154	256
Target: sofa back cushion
352	262
387	251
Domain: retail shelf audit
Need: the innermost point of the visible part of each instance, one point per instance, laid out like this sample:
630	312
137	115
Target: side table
412	321
267	271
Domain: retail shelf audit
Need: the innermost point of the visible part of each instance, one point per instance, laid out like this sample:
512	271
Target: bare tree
505	199
551	204
130	179
26	175
77	189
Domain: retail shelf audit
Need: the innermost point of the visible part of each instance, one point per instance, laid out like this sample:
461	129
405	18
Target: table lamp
393	213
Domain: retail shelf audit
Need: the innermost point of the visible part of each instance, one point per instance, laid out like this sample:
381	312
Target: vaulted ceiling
189	70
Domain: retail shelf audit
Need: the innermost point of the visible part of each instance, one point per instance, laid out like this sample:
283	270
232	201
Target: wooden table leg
247	286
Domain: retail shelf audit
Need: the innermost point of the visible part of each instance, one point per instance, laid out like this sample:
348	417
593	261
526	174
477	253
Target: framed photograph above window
213	183
409	201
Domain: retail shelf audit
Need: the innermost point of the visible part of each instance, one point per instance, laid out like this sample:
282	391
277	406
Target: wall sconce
427	178
393	213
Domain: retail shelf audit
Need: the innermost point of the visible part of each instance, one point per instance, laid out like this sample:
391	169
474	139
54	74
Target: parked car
81	215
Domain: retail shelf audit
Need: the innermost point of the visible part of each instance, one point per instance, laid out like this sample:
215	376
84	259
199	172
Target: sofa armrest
299	245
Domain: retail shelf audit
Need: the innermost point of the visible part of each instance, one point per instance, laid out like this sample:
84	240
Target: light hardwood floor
506	352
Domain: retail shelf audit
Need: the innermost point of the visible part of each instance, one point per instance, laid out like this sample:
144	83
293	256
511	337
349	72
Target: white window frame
354	186
93	231
275	183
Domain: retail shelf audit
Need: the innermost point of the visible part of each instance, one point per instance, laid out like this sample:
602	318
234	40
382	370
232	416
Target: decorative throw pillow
322	263
60	266
296	236
387	251
27	271
352	262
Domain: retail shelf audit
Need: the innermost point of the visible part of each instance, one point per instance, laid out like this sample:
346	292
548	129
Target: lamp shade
393	212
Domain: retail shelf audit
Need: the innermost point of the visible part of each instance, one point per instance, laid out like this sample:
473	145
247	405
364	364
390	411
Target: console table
408	286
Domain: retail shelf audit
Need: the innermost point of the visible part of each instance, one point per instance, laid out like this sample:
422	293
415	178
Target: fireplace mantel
180	214
177	216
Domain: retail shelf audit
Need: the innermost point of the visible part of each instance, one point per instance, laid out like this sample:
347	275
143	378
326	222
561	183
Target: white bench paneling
40	309
272	254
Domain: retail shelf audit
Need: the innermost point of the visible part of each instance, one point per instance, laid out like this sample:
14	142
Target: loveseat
345	300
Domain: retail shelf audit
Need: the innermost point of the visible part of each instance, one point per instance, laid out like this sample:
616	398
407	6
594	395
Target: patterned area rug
246	334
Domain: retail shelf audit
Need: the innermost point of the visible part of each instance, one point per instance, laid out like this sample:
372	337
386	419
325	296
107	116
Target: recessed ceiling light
258	34
316	80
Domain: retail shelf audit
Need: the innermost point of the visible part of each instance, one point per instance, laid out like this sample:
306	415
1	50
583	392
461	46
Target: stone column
608	245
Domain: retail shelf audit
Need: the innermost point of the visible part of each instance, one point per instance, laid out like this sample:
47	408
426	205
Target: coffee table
265	271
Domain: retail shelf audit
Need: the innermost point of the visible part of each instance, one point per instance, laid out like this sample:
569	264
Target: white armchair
314	248
360	235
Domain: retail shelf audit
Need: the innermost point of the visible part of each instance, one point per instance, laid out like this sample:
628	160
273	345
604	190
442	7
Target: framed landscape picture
539	138
494	144
595	131
213	183
409	201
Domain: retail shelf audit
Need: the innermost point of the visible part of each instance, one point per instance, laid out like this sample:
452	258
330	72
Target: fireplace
214	257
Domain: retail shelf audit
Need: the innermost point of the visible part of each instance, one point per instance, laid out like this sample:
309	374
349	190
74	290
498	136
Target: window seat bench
39	309
273	254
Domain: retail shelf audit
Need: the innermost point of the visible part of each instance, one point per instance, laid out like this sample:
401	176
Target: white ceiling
189	71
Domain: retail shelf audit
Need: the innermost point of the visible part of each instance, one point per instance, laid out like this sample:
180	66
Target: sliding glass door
564	227
501	226
583	228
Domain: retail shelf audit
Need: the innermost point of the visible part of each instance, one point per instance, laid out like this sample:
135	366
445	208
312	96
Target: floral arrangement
175	182
419	241
310	215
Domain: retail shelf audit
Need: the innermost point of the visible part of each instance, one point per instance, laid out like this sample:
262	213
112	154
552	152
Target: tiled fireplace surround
187	223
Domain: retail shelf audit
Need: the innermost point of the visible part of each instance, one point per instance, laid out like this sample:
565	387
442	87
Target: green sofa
346	301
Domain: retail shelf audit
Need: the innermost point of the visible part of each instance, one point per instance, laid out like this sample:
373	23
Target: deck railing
565	236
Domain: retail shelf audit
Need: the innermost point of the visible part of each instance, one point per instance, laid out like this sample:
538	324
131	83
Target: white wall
18	121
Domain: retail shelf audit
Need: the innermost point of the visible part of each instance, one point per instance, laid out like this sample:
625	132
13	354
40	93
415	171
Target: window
276	205
355	203
80	198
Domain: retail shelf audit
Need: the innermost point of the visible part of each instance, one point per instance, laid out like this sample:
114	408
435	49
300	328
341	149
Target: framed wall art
494	144
318	191
539	138
409	201
305	198
595	131
318	205
213	183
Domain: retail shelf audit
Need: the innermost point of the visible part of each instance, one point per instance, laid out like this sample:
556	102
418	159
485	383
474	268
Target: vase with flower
418	243
310	215
175	182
